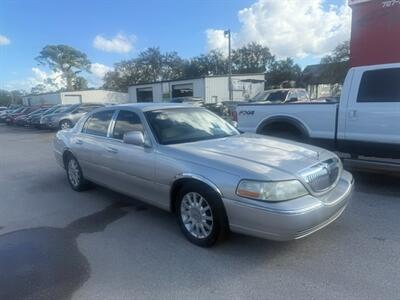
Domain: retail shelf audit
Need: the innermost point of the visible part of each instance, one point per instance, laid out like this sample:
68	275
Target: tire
75	175
65	124
201	215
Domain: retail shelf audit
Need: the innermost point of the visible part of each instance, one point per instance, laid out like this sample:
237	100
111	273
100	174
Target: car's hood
254	153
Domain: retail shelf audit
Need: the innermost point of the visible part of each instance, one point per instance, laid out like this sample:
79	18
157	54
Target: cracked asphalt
59	244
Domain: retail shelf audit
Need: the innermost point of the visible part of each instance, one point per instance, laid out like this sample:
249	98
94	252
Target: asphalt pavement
59	244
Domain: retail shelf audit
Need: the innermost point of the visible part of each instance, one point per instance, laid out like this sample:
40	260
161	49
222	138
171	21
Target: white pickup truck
365	122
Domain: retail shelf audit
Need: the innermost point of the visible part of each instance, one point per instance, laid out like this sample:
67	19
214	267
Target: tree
336	64
340	54
64	59
9	97
79	83
38	89
252	58
282	70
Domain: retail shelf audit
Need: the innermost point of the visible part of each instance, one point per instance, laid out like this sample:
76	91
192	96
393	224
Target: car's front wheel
65	124
201	215
74	175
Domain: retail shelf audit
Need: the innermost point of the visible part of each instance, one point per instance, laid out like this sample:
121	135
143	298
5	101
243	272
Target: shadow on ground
45	262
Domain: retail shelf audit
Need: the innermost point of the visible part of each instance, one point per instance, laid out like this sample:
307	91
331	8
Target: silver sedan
191	162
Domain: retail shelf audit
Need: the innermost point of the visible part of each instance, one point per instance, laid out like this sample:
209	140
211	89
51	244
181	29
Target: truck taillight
234	116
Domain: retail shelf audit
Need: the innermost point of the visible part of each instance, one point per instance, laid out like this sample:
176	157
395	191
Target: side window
84	109
380	86
125	122
302	95
98	123
293	94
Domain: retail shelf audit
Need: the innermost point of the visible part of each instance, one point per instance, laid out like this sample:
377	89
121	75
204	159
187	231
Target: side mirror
134	138
293	99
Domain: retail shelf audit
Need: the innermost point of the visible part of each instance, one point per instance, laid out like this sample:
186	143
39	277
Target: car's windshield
183	125
272	96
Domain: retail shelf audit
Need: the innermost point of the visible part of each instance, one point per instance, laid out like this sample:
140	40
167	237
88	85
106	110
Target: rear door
373	112
89	145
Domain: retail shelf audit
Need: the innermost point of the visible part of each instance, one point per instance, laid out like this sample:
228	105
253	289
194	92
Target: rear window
98	123
380	86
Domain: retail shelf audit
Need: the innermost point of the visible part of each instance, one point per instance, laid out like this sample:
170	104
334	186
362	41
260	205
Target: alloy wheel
196	215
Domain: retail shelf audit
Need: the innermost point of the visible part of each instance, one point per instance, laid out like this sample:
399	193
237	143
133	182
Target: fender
284	119
198	178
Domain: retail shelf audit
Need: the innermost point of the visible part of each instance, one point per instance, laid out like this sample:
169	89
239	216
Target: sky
111	31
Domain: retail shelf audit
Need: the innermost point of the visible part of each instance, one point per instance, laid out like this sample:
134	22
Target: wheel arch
66	154
292	121
186	178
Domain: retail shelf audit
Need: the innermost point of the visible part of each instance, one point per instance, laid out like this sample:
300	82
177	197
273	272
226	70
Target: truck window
380	86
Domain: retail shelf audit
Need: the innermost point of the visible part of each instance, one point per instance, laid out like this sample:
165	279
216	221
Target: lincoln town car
215	179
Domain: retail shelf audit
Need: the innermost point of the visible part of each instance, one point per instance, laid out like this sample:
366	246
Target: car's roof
148	106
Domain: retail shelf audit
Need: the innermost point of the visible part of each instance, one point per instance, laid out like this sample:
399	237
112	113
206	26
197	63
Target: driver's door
131	167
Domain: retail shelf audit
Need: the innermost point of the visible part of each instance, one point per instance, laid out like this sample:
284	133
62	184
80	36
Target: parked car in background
35	119
187	160
364	124
281	96
188	100
5	114
10	119
68	117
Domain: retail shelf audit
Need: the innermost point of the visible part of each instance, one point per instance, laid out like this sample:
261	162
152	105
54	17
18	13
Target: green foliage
337	64
64	59
281	71
79	83
152	65
9	97
252	58
340	54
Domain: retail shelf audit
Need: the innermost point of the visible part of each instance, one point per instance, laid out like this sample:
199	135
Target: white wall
160	89
94	96
33	100
208	88
217	88
90	96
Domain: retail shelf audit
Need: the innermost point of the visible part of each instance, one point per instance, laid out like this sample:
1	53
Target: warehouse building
87	96
211	89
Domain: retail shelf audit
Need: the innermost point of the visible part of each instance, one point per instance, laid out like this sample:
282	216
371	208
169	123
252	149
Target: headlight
271	190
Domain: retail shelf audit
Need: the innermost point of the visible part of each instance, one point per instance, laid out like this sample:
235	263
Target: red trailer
375	32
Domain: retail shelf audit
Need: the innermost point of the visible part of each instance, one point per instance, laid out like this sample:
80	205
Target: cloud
99	70
216	40
4	40
118	44
38	77
294	28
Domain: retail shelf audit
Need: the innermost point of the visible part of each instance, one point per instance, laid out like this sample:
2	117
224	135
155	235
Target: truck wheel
201	215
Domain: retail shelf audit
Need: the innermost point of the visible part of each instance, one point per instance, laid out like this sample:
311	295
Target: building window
380	86
182	90
144	94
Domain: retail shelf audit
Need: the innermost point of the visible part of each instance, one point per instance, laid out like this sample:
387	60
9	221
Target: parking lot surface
59	244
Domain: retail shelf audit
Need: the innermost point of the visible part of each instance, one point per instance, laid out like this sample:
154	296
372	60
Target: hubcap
196	215
65	125
73	172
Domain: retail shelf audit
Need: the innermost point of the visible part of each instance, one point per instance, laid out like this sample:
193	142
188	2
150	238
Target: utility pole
227	33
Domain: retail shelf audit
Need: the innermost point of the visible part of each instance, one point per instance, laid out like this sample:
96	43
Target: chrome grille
322	176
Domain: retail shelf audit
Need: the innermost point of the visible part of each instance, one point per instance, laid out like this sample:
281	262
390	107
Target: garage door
72	99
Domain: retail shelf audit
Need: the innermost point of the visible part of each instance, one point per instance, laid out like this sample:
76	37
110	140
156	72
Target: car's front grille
322	176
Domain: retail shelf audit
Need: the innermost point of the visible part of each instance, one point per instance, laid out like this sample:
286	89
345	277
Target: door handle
112	150
79	142
352	113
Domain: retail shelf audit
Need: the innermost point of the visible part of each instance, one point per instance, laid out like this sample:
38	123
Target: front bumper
289	220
